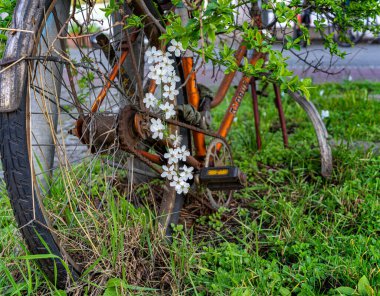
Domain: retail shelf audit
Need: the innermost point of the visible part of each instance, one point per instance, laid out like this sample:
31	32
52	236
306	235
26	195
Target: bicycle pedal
223	178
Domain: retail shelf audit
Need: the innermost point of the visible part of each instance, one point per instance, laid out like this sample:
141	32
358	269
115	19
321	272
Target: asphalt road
361	62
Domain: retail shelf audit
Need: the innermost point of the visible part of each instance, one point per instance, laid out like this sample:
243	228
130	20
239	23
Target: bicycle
40	93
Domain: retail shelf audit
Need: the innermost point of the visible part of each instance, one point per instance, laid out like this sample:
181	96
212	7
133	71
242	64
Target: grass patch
6	11
289	233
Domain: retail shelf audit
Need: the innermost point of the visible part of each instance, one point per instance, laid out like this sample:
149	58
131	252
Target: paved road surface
362	62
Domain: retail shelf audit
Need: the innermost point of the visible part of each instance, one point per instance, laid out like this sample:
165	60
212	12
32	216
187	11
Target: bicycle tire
28	207
320	131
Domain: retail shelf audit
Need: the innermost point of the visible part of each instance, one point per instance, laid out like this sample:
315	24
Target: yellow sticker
214	172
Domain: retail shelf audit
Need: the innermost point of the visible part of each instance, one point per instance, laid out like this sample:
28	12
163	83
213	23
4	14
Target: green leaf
284	291
111	292
345	291
364	287
259	64
116	282
259	37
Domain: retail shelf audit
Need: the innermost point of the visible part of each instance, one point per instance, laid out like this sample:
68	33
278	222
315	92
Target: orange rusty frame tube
227	80
152	157
236	100
114	73
194	99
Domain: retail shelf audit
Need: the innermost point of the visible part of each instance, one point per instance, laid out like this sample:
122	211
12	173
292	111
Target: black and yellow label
217	172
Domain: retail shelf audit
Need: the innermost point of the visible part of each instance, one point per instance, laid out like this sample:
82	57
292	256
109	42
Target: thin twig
316	66
151	16
16	30
11	65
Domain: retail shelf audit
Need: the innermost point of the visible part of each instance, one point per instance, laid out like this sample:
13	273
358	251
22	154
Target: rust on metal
236	100
98	132
152	157
114	73
227	80
128	138
152	86
256	114
281	114
194	99
118	67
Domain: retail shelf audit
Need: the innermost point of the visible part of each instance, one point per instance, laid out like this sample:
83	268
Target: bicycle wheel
61	187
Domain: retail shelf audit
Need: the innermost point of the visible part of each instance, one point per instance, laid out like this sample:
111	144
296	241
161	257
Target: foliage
217	17
293	233
6	9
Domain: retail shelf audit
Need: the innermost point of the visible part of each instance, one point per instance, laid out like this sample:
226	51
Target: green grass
6	7
289	233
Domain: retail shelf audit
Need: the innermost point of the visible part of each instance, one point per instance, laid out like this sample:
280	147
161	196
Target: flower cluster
162	71
179	176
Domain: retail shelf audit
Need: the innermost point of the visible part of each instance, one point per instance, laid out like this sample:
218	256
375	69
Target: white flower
150	100
168	109
167	61
157	128
349	78
179	185
154	55
4	15
170	92
158	74
187	173
266	33
173	77
176	47
325	114
177	139
182	153
172	155
169	172
158	56
151	55
152	72
321	92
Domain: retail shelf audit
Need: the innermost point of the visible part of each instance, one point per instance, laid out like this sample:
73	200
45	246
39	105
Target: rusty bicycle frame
193	97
